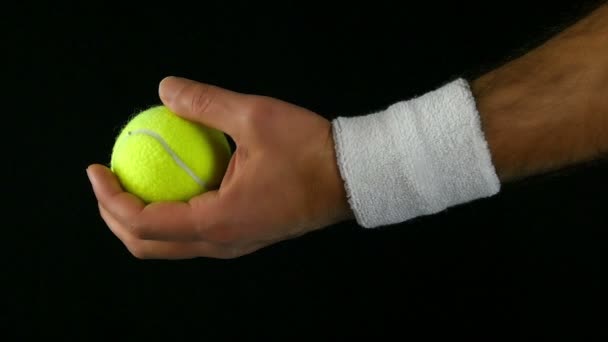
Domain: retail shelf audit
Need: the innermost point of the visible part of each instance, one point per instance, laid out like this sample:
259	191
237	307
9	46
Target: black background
528	262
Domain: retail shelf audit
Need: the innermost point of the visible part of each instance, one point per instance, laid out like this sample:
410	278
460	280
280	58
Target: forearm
549	108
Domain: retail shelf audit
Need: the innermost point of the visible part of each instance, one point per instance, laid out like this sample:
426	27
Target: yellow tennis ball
159	156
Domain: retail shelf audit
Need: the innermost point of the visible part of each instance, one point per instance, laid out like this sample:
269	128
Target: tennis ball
159	156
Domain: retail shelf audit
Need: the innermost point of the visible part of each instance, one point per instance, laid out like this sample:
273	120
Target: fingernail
167	88
89	175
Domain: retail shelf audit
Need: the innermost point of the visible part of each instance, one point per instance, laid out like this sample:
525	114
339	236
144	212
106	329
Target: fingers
150	249
144	249
167	221
210	105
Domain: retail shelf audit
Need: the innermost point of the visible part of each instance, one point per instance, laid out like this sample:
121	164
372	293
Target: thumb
203	103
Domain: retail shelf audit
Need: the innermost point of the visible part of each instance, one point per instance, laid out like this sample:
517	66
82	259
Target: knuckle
137	229
257	112
136	249
202	99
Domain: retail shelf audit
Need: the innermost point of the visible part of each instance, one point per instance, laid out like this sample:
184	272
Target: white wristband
417	157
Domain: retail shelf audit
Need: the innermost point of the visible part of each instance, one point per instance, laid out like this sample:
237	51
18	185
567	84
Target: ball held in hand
159	156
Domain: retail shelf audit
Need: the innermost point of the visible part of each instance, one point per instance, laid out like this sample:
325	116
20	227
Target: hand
281	182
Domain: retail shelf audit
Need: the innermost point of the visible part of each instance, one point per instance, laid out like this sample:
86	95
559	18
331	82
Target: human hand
281	182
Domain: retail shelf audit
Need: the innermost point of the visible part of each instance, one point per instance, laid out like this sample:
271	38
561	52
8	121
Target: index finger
164	221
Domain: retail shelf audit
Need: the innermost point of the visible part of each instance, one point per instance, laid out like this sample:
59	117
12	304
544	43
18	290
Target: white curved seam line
173	155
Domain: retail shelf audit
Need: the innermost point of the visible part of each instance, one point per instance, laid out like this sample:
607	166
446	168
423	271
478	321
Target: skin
545	110
549	108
